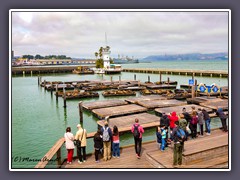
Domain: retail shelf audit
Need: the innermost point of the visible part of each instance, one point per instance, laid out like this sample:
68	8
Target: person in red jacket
173	118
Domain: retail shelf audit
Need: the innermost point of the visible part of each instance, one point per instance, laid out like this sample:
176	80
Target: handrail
56	149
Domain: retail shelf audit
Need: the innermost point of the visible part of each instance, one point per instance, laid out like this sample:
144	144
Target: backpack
106	136
194	120
136	132
181	135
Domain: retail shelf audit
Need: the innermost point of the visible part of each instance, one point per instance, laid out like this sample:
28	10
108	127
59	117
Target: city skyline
138	34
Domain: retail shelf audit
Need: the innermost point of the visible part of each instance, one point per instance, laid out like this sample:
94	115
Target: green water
38	120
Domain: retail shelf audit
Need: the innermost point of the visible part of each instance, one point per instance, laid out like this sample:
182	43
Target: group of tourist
173	128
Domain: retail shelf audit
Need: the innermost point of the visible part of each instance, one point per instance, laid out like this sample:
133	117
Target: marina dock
161	103
124	123
102	104
194	72
118	111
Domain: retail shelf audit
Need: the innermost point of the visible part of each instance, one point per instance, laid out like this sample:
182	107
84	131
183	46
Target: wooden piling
64	98
168	80
160	77
38	80
149	79
111	79
80	111
56	92
44	84
192	76
134	77
51	88
119	79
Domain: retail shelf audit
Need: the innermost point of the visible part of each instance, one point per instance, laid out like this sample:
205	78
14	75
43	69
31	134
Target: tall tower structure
106	57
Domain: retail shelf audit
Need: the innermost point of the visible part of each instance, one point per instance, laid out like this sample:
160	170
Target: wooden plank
118	110
178	109
145	98
104	103
161	103
124	123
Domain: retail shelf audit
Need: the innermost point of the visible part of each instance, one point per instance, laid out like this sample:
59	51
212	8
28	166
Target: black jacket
205	115
98	143
187	116
164	120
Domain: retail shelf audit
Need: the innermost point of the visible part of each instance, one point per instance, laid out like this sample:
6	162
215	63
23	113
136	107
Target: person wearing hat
81	135
107	140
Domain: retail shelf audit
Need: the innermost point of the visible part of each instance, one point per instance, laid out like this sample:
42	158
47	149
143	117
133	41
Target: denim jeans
116	149
208	125
163	144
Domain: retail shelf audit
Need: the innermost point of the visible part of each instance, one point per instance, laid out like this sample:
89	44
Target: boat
125	60
99	71
83	70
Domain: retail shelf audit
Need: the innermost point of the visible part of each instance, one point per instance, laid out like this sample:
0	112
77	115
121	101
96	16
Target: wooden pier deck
194	72
207	152
124	123
145	98
178	109
161	103
152	157
101	104
118	110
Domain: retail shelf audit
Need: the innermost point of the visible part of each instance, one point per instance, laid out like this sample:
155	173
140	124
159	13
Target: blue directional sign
202	88
190	81
215	89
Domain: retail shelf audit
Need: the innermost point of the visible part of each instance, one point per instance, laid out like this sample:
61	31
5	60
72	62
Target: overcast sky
138	34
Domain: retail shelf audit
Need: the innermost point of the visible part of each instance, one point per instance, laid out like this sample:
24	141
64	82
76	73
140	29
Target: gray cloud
138	34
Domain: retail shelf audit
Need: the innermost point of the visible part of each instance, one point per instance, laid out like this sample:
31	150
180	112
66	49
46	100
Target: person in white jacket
81	135
69	138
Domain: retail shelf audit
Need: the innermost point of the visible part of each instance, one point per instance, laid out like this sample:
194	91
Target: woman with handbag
69	138
81	136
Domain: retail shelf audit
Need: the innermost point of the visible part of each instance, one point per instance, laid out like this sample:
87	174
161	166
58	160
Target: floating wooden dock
178	109
118	110
124	123
161	103
101	104
118	93
161	86
216	103
198	100
135	100
210	73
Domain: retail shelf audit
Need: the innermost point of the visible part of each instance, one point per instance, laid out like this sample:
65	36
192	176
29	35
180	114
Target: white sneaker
70	162
79	162
208	134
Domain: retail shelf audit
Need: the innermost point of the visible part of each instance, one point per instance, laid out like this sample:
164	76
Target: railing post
59	162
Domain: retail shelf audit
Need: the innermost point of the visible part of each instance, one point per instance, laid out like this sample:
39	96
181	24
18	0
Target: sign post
191	83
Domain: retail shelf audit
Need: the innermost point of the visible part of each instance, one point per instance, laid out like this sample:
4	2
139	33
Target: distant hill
192	56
